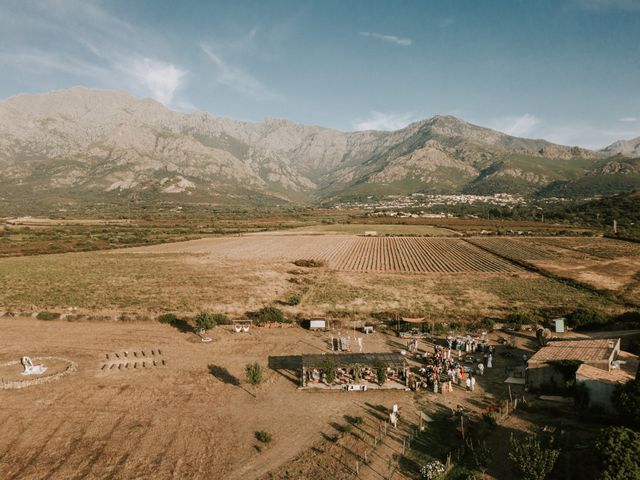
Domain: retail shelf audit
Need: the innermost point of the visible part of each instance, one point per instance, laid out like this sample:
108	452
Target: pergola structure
408	327
354	368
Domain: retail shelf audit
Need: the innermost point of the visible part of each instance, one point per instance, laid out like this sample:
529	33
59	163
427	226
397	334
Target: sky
564	70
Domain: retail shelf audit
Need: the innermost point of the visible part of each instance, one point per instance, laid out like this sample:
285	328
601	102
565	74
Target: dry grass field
602	263
195	416
444	277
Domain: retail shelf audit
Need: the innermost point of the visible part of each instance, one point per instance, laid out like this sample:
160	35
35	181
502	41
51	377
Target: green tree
534	461
328	367
381	372
619	450
626	399
204	321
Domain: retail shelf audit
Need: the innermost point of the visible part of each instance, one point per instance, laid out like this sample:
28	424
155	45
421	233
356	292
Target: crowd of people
446	366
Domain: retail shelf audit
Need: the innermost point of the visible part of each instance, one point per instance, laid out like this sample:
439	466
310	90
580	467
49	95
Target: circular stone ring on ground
61	368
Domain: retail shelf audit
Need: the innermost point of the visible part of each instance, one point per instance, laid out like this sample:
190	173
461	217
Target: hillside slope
83	145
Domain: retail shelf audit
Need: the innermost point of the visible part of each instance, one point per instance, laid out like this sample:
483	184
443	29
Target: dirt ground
194	417
172	421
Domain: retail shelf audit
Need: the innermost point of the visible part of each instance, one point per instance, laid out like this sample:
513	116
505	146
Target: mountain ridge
109	143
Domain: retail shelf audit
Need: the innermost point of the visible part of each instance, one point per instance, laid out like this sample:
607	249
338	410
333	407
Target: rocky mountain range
83	145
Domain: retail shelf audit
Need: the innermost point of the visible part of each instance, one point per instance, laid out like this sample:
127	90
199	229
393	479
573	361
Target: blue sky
564	70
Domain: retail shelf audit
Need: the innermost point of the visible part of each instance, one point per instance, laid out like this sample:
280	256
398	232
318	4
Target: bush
269	314
308	263
585	318
432	470
294	300
488	323
628	317
626	399
204	321
521	317
532	459
264	437
346	428
355	420
48	316
220	319
619	450
169	318
253	371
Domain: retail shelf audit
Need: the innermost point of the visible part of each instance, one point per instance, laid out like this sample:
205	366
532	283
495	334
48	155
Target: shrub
264	437
220	319
253	372
346	428
294	300
619	450
626	399
308	263
488	323
204	321
269	314
169	318
585	318
355	420
628	317
532	459
432	470
521	317
48	316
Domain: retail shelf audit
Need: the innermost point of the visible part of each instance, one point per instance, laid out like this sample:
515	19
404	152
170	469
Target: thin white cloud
98	46
446	22
628	119
519	126
383	121
601	5
162	80
401	41
237	79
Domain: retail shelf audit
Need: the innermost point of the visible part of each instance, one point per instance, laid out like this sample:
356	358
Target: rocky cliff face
110	143
628	148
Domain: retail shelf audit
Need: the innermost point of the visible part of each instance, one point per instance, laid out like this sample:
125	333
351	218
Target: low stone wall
71	368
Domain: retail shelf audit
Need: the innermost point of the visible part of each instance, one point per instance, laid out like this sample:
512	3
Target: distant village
409	205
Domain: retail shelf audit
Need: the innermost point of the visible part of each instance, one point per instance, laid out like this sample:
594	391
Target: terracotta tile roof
593	351
625	372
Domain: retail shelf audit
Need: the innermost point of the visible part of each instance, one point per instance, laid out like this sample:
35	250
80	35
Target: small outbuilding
558	324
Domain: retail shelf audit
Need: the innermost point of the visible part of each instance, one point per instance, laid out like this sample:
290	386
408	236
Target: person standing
490	361
468	384
473	383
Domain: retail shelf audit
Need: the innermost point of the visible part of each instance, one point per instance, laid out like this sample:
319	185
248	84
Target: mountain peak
629	148
89	142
